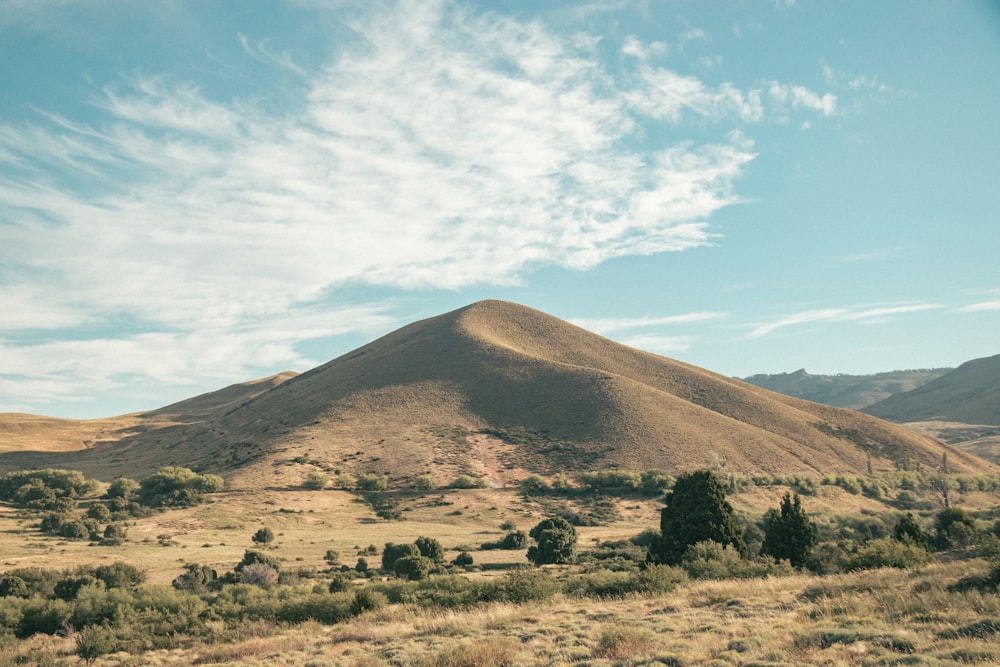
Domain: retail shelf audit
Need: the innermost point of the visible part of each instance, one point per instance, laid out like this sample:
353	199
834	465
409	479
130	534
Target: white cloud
872	314
980	307
442	149
661	344
610	325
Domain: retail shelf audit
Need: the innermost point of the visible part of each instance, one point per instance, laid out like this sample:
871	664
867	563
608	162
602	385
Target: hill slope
503	390
970	394
845	391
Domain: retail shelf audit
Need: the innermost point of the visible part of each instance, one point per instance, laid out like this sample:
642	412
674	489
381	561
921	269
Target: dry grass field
922	616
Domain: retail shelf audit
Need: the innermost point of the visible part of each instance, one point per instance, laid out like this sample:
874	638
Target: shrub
424	483
367	599
556	542
511	542
37	489
522	586
372	482
620	642
887	552
74	530
469	482
331	557
259	574
12	585
177	487
99	512
53	522
393	552
122	487
251	557
612	479
361	565
711	560
263	536
198	579
315	481
114	534
119	575
94	641
464	559
494	652
413	568
534	484
430	548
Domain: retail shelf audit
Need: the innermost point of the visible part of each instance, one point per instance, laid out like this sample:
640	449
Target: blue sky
194	194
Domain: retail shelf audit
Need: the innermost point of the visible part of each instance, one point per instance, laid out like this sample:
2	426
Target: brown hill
503	390
970	394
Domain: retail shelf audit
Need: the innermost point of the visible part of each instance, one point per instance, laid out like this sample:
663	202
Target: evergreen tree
909	531
696	511
788	532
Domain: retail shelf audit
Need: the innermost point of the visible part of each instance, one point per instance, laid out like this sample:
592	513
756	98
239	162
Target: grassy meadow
499	611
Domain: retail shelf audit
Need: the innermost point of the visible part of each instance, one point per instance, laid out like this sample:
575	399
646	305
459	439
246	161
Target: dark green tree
908	530
954	527
696	511
556	538
788	532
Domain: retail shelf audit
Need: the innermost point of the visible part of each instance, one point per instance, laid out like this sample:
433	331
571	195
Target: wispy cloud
610	325
980	307
441	149
866	314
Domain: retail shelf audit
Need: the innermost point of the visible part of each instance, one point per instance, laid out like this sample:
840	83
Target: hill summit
503	390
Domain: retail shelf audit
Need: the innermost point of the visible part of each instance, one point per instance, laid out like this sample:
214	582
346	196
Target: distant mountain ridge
846	391
493	389
969	394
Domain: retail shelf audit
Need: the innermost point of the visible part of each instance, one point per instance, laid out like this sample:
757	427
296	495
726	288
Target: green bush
954	528
95	641
534	485
198	579
556	542
251	557
367	599
887	552
372	482
424	483
469	482
512	541
177	487
711	560
393	552
315	481
430	548
263	536
464	559
45	489
413	568
122	487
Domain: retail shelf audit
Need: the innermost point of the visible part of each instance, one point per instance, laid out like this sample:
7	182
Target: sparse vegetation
204	612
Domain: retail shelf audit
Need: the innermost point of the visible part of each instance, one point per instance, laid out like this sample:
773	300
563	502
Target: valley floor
879	617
